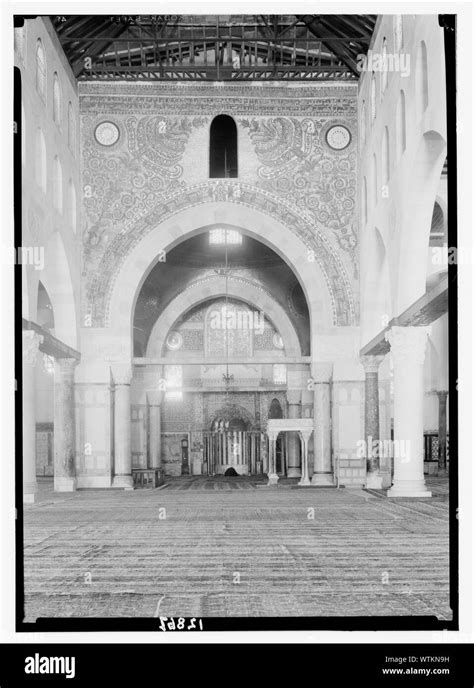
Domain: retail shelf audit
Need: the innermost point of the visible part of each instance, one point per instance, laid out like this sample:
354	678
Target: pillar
408	345
372	421
154	406
123	454
294	411
272	474
322	469
304	436
64	426
31	341
442	432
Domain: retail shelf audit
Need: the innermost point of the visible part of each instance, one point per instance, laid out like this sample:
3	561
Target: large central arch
302	244
254	223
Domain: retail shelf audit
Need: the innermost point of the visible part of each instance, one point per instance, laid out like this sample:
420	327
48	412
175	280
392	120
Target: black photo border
359	623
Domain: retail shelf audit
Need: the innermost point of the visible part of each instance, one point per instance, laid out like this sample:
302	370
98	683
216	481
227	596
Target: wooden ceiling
215	47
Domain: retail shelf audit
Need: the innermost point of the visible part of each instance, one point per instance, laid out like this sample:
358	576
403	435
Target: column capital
408	343
122	374
155	398
371	363
321	371
305	434
442	392
31	341
293	396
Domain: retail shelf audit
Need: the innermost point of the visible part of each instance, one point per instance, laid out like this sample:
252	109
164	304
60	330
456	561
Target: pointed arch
40	69
401	125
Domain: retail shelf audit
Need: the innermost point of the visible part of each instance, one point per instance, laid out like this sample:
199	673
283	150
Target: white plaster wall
43	225
401	211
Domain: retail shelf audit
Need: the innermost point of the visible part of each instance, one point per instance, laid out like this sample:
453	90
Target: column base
30	493
374	481
272	479
65	484
293	472
305	482
408	488
123	481
322	479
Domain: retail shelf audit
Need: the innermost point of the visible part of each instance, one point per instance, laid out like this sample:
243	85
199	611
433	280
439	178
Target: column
64	426
272	474
442	431
304	436
154	406
294	411
123	455
322	470
372	421
408	346
31	342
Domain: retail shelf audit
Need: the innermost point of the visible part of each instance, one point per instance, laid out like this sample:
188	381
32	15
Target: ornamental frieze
299	162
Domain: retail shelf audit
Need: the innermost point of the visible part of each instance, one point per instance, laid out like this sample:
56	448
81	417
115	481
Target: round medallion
277	341
338	137
107	133
174	341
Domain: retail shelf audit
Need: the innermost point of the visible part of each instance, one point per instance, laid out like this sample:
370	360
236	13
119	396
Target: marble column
272	474
408	345
372	420
64	426
123	453
31	341
304	437
294	411
322	469
154	406
442	432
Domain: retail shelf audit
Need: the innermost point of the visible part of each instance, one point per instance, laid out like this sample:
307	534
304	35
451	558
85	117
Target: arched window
373	98
421	79
40	69
23	136
385	157
57	99
364	201
363	118
438	226
71	129
397	32
384	66
374	180
58	185
401	125
19	40
40	160
72	205
223	148
279	374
